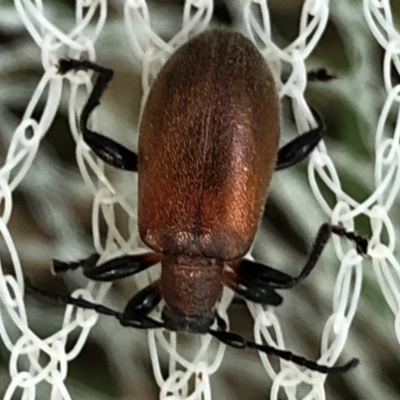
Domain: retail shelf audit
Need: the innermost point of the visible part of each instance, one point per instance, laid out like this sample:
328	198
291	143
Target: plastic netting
35	360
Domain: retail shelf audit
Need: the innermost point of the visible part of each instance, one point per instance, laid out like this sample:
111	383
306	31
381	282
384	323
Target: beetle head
176	321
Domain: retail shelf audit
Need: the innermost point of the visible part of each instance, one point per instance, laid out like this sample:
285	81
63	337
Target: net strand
189	377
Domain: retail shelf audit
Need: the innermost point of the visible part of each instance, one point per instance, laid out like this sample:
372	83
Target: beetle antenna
237	341
134	321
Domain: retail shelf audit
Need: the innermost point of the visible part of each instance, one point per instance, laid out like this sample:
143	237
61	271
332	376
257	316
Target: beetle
208	147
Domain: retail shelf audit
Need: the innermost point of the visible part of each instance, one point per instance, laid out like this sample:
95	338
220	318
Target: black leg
237	341
319	75
111	270
254	279
145	301
138	320
85	264
252	290
298	149
107	149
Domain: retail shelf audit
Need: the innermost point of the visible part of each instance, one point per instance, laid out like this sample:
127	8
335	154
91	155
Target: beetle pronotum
208	146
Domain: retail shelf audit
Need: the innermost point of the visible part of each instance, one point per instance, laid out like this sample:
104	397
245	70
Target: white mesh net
39	363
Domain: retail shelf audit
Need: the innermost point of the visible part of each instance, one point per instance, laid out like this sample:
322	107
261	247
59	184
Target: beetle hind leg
252	280
323	236
105	148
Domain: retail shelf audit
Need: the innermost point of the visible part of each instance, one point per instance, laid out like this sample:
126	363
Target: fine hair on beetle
208	146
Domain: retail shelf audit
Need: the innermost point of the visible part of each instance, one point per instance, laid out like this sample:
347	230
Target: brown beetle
207	149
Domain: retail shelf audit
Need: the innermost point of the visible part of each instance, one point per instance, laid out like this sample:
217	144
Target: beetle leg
132	320
319	75
258	275
237	341
85	264
254	272
256	282
299	148
323	236
105	148
255	291
145	301
111	270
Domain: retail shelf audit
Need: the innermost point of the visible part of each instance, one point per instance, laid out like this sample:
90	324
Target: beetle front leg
105	148
111	270
144	302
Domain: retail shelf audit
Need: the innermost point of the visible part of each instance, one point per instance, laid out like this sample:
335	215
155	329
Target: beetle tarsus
360	242
86	264
59	266
320	75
